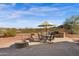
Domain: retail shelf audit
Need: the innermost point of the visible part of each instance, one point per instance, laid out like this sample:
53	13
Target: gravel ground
56	49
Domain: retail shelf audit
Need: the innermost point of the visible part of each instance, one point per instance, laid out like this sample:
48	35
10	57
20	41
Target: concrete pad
62	39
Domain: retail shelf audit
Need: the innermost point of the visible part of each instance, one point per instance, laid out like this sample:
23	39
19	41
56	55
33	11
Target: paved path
63	39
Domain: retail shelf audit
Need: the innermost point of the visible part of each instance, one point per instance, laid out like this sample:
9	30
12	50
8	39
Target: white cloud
4	6
7	14
43	9
13	4
40	11
34	11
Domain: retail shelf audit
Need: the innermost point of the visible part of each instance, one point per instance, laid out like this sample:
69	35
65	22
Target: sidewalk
63	39
34	43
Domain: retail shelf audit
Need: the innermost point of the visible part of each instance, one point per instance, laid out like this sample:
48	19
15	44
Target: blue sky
21	15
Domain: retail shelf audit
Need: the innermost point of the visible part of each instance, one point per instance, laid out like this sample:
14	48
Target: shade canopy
45	24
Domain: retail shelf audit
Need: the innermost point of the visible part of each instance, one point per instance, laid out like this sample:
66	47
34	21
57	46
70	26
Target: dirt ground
4	42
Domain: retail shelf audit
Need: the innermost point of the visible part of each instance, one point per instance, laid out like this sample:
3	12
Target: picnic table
46	37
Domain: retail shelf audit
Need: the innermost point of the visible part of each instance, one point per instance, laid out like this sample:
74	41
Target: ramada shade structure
45	25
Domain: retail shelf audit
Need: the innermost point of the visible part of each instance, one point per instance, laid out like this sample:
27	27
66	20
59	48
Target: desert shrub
10	33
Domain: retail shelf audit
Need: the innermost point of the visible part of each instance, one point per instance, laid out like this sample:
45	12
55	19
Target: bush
72	25
10	33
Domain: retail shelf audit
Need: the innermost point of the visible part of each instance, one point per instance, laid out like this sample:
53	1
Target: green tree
72	25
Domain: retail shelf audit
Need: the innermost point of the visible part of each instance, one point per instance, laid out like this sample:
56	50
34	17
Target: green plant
10	33
72	25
